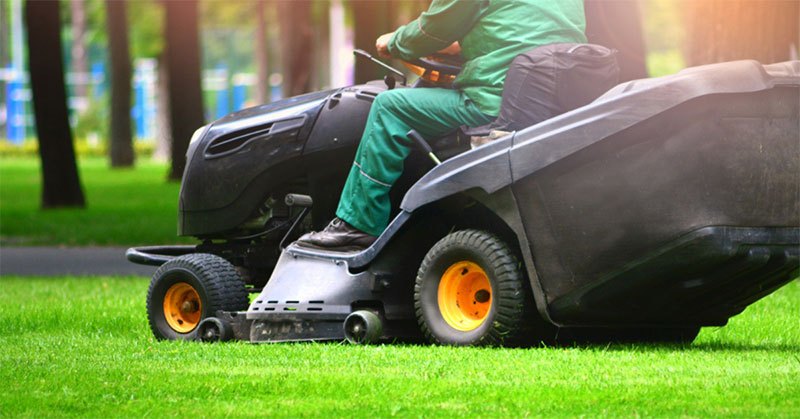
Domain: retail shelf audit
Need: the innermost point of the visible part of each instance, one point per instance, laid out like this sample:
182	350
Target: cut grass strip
81	347
125	206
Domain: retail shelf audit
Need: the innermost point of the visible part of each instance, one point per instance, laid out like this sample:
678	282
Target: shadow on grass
685	347
628	346
746	347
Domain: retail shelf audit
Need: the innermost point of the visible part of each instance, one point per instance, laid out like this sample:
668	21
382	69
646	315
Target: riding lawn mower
660	207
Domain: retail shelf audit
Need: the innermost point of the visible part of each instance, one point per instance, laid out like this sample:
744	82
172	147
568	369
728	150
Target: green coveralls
491	33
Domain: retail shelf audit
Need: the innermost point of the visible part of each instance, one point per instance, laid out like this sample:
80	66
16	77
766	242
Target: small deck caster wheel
212	329
363	327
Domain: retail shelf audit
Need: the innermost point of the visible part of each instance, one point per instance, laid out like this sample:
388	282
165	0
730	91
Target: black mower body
668	202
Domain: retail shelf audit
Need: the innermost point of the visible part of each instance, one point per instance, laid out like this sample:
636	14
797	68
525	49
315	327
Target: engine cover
244	157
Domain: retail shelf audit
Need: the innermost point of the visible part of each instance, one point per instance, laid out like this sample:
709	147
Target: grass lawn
125	206
81	347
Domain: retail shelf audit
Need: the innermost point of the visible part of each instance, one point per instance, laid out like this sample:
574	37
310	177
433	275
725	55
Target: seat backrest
552	79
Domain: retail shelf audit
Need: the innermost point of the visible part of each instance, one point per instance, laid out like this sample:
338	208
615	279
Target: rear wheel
190	288
470	291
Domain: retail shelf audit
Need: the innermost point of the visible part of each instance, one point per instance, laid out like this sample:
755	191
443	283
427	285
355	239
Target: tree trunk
121	141
163	131
372	20
296	36
726	30
618	24
338	63
262	61
61	185
80	66
183	74
321	56
5	29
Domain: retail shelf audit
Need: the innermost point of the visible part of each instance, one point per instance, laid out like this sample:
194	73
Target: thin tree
182	59
321	41
121	140
61	185
163	151
80	62
372	20
261	53
5	29
726	30
618	24
297	46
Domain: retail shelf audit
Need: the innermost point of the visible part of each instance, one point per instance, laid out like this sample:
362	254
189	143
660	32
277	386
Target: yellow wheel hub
465	296
182	307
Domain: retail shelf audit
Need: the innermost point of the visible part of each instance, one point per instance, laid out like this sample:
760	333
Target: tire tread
224	287
513	303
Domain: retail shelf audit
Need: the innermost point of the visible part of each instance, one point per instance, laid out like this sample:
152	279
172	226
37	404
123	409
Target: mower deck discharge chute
663	206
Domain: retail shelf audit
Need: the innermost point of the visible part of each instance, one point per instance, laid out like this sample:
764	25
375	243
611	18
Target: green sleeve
445	22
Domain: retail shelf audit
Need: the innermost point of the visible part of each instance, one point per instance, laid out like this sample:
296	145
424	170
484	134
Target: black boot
337	236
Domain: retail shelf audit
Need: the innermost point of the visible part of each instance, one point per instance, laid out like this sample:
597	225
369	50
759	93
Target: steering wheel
436	68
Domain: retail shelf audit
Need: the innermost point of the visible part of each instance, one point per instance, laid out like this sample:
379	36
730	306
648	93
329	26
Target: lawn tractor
659	207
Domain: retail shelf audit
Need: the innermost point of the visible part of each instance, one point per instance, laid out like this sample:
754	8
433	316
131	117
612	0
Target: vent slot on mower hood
229	143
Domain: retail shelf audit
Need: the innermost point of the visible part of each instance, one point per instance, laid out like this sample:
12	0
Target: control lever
397	73
296	200
422	144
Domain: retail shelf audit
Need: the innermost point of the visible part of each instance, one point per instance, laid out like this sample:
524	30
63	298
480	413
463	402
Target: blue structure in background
99	80
15	110
239	96
149	115
143	112
275	92
224	94
138	111
222	103
221	92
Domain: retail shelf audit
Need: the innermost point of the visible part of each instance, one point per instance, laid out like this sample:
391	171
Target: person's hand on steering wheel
441	67
382	45
453	49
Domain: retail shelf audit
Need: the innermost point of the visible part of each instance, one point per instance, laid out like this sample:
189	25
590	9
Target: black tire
210	279
511	305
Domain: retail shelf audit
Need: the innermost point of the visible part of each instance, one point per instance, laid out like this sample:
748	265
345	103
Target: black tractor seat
548	81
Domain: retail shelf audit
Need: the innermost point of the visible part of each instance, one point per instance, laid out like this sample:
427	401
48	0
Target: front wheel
190	288
470	291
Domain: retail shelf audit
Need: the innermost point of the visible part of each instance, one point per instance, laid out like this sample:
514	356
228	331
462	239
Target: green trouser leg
379	160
